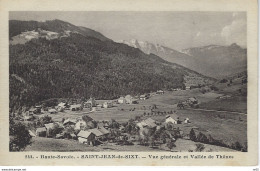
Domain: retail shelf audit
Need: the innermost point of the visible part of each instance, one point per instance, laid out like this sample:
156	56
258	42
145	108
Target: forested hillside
80	66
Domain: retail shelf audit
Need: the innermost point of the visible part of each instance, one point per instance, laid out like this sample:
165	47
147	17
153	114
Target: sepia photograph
128	81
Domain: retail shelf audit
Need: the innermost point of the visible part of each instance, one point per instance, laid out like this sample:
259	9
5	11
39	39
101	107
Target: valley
73	89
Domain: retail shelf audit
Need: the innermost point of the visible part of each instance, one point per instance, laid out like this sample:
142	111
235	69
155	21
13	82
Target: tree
114	124
45	120
152	141
55	130
244	149
237	146
193	135
202	138
170	145
19	136
199	147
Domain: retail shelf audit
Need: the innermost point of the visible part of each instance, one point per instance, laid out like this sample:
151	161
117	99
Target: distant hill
55	61
219	61
213	60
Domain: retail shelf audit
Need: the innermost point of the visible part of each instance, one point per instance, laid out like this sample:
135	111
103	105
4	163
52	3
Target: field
236	104
228	130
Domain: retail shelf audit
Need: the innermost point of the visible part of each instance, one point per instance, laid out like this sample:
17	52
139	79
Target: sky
177	30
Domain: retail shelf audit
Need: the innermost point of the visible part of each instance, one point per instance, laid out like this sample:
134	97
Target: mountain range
55	59
212	60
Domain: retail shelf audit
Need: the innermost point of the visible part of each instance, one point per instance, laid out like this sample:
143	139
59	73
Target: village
90	132
147	121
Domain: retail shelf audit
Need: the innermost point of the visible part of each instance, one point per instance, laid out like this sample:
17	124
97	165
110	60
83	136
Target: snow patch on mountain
36	34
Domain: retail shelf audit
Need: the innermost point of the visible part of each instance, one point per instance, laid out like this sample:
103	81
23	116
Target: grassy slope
49	144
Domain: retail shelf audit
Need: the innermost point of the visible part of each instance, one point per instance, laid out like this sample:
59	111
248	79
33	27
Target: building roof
103	130
90	100
62	104
49	125
42	129
32	109
52	110
108	102
87	118
70	120
173	116
84	134
32	133
193	99
96	132
128	97
75	106
148	122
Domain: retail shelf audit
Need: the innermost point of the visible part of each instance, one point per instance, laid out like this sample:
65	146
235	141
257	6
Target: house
108	104
96	132
41	132
59	136
143	97
187	120
49	127
61	107
103	130
33	111
160	92
69	122
38	109
149	123
192	100
52	111
100	132
85	123
103	124
187	87
174	119
128	99
121	100
80	125
73	136
86	137
76	107
32	133
90	103
62	104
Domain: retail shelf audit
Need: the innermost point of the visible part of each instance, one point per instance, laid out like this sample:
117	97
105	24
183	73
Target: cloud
235	32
